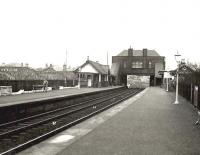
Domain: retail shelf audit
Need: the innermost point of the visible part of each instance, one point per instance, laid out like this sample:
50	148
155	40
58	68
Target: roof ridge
136	52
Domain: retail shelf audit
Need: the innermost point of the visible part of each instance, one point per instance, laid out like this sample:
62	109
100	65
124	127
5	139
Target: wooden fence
28	84
189	87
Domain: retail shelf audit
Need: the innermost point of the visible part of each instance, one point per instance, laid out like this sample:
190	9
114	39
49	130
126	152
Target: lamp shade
177	57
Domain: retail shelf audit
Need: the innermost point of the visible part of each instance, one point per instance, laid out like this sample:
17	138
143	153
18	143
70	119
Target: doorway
89	79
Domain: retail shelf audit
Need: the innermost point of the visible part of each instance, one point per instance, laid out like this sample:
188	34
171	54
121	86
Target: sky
41	31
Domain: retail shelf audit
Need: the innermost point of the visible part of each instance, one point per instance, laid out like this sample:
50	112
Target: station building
93	74
138	67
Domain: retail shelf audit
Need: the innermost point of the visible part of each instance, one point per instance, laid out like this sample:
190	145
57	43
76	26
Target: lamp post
167	84
79	78
167	76
177	56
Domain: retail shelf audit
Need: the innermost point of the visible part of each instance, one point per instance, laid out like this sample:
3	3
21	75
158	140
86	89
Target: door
89	82
89	78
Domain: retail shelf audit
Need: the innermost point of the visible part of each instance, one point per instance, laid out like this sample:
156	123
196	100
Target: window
124	64
105	77
137	64
140	65
150	65
82	75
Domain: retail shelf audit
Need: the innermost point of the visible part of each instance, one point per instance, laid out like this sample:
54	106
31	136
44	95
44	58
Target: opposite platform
148	124
23	98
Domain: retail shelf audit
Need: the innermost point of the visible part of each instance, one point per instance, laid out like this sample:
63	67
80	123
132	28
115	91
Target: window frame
137	64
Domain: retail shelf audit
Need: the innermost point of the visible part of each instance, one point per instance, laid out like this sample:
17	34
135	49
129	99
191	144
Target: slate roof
49	69
139	53
102	69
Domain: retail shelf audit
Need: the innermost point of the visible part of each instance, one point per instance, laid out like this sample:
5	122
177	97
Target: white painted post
176	101
177	56
99	77
167	84
79	79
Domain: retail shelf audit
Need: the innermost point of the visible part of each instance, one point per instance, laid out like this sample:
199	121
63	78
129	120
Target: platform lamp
79	78
177	58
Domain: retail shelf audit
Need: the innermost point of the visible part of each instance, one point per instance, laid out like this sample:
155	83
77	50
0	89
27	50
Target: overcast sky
40	31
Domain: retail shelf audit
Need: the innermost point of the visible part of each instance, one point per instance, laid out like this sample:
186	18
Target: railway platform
147	123
23	98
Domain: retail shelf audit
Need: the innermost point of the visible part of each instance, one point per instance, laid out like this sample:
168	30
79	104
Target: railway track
20	134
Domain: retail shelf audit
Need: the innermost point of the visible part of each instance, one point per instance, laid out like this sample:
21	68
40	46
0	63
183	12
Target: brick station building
138	63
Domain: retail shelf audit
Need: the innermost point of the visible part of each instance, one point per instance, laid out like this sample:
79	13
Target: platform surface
17	99
147	124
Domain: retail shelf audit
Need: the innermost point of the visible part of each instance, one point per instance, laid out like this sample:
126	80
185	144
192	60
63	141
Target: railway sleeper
32	132
44	128
47	126
66	120
7	143
17	139
1	148
58	123
24	136
38	130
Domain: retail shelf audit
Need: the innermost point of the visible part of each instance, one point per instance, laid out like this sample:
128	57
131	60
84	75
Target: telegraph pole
66	60
107	57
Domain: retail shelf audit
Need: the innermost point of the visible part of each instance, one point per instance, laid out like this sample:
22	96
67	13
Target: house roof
102	69
49	69
183	69
139	53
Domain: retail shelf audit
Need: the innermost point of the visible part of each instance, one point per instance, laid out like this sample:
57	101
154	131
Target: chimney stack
130	52
144	52
64	67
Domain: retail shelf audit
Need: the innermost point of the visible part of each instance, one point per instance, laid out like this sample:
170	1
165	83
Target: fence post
191	93
196	96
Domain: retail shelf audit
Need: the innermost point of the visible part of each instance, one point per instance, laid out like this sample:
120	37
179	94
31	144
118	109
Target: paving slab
147	124
151	125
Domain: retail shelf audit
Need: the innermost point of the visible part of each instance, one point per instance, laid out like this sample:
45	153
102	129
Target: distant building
23	72
18	73
24	77
139	63
93	74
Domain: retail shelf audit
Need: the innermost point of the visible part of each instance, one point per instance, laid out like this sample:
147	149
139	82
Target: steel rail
26	126
56	110
37	139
